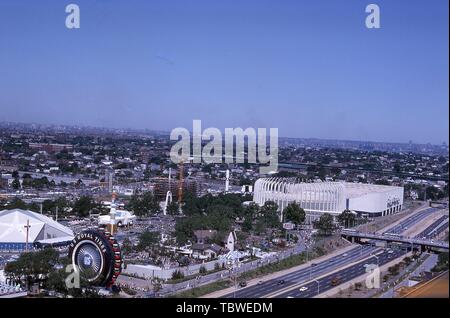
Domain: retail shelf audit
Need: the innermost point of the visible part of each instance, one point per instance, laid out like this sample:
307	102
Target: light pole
27	228
307	252
233	273
378	263
318	286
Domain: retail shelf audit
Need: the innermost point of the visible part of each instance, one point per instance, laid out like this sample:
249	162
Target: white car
123	218
302	289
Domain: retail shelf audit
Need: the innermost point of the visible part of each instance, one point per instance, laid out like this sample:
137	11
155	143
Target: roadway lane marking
298	285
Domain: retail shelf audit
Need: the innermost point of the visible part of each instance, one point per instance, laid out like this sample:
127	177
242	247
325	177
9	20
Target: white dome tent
42	230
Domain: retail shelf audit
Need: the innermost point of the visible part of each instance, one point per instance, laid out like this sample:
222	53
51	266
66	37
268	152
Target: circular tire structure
96	256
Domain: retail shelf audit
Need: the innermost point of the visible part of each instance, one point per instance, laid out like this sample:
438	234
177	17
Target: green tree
127	246
32	267
294	213
267	218
173	208
148	239
247	225
157	285
347	218
190	204
83	206
177	274
143	205
150	203
17	203
27	180
15	184
442	263
269	214
325	224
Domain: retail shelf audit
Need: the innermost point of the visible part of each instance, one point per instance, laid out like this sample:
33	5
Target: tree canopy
144	205
32	267
83	206
294	213
347	219
325	224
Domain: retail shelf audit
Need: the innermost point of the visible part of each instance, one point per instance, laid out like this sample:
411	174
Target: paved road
341	260
319	286
323	284
435	228
304	274
408	222
244	267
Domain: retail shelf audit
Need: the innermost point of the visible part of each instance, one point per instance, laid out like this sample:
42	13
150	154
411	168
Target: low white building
329	197
19	227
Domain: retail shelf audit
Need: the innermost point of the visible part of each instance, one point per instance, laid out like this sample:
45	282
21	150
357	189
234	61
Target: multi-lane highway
435	229
408	222
330	281
325	283
305	274
360	252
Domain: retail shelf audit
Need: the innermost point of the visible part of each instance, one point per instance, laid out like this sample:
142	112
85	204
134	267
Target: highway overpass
425	244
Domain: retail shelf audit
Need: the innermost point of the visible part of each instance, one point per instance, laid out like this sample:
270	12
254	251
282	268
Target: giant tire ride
96	256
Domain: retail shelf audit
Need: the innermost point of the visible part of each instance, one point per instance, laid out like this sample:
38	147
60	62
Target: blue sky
309	68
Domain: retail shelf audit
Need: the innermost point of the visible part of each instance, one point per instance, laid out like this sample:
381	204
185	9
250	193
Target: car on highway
335	281
313	264
302	289
242	284
260	282
280	282
344	255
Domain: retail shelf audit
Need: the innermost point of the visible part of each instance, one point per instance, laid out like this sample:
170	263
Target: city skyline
167	132
312	70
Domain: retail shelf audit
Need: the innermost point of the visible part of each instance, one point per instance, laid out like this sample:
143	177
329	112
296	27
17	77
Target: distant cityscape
285	141
224	156
184	229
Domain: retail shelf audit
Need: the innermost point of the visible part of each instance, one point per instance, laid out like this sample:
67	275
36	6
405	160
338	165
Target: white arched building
329	197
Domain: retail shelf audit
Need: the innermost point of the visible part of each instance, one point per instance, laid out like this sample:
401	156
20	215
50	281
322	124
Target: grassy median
203	290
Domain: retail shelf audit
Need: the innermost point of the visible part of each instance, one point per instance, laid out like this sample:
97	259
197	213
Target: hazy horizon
131	129
310	69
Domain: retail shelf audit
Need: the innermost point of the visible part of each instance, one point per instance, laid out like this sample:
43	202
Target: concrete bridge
425	244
